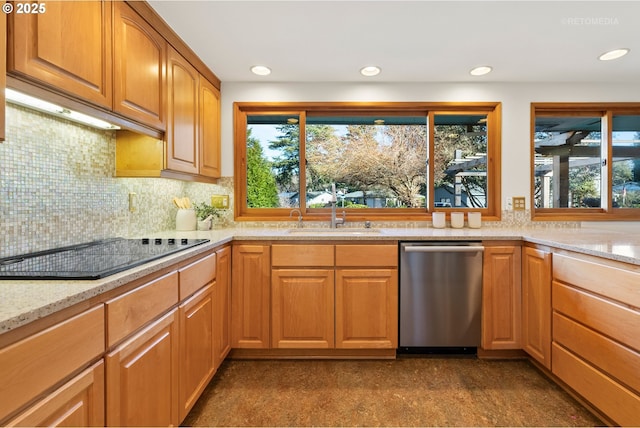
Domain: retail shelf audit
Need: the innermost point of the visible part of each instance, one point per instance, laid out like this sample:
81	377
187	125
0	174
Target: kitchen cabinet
182	136
35	368
302	308
67	48
222	302
142	376
536	304
139	63
596	347
366	297
501	297
251	296
197	354
302	296
196	315
78	403
209	129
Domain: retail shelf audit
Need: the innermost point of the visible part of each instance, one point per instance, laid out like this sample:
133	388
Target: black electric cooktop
92	260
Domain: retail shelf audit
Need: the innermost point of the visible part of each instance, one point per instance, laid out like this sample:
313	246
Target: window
290	156
586	162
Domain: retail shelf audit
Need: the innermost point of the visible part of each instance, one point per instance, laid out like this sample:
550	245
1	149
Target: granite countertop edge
25	301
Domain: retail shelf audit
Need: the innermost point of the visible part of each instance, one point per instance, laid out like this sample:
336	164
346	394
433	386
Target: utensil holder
186	219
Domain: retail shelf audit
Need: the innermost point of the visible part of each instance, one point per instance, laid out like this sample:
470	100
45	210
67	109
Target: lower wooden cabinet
78	403
36	365
536	304
302	308
142	377
501	297
367	308
250	296
197	353
596	346
222	304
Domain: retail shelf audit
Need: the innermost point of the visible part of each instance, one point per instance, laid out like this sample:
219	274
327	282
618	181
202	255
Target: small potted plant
205	214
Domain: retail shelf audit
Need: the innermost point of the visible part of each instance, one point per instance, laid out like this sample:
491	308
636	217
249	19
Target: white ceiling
412	41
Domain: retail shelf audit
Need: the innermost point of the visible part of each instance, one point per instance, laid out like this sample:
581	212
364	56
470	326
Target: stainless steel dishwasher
440	296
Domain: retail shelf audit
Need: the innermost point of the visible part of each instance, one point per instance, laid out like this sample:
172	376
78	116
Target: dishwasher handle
444	249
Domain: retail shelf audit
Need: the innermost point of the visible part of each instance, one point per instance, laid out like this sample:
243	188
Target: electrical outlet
220	201
509	203
519	203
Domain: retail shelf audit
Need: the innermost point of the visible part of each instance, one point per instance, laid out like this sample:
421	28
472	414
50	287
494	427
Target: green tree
286	164
261	184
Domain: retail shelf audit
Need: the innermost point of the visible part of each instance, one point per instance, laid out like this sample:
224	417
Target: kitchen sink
337	231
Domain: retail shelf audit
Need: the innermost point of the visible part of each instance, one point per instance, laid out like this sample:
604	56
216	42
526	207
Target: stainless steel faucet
335	221
299	216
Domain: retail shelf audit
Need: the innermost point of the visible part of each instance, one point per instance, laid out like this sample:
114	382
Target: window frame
491	212
606	112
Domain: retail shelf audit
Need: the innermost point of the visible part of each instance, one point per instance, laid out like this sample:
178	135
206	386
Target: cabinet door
222	301
68	47
250	296
209	128
367	308
78	403
139	58
182	134
197	356
142	377
501	298
302	311
536	305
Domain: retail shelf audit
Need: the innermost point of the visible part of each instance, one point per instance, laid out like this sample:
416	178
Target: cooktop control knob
171	241
158	241
184	241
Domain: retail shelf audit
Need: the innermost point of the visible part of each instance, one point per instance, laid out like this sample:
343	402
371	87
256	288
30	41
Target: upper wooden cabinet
67	48
139	62
182	136
209	128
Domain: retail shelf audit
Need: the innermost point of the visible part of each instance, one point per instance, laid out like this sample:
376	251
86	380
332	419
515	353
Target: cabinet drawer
609	281
132	310
33	365
367	255
302	255
197	275
614	400
608	355
614	320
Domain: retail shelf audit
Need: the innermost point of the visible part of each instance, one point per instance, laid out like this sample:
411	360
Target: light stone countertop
24	301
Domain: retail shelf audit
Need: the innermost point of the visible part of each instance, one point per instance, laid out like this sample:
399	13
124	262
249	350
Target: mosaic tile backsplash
57	187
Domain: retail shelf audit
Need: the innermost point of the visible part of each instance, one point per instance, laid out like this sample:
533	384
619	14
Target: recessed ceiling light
369	71
614	54
379	122
261	70
292	120
481	71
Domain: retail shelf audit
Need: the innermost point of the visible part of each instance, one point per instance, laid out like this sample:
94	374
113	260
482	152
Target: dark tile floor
403	392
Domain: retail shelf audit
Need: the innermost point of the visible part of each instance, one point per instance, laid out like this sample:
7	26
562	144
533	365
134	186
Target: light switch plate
220	201
518	203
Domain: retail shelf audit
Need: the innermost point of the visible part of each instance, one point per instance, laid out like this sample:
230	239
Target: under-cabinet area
144	352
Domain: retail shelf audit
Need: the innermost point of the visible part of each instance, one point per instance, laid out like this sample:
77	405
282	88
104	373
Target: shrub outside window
391	161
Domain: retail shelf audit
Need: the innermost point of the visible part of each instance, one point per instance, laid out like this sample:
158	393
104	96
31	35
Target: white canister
474	220
457	220
438	220
186	219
